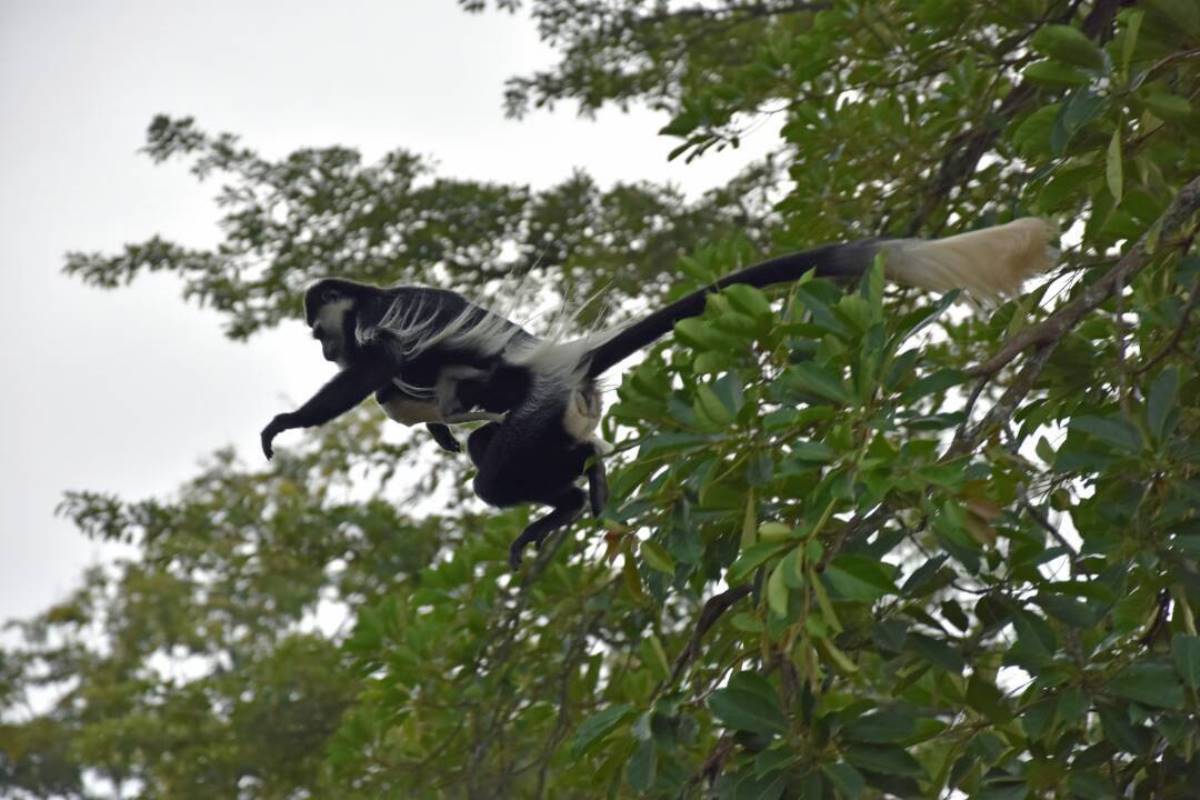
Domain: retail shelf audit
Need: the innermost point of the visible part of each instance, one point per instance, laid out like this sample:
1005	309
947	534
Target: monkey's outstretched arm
346	390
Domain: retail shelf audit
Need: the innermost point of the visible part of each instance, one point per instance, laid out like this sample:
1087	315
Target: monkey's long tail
989	263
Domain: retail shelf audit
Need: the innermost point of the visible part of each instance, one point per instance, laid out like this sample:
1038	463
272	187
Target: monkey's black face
329	327
331	346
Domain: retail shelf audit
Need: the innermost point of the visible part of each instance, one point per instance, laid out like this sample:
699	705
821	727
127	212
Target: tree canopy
862	543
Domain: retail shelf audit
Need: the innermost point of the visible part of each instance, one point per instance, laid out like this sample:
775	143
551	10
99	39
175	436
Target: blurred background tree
860	545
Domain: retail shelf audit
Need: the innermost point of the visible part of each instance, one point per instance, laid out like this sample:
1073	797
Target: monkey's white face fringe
990	264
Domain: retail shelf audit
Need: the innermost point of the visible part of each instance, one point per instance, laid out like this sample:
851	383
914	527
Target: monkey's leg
479	441
447	388
474	416
443	436
567	508
597	485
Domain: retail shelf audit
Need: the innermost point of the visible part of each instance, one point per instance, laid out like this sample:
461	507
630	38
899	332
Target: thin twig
717	605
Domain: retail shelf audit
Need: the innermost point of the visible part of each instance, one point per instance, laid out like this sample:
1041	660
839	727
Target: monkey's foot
567	509
597	486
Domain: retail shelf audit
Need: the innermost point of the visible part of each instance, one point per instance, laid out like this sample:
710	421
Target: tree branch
1054	327
717	605
1046	335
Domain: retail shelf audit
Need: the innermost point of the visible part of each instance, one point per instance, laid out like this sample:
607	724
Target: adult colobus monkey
431	356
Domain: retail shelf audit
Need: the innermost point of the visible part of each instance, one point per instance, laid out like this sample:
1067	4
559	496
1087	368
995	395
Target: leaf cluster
862	543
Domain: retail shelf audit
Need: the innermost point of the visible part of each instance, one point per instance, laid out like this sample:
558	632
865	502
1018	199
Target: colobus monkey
431	356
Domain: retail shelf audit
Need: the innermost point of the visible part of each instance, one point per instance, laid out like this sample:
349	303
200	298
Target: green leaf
860	578
1111	430
822	314
821	381
1032	136
1039	718
643	766
1036	643
670	442
1162	402
881	727
1150	684
1065	187
955	615
1185	651
749	300
751	559
1183	14
754	683
1189	544
936	652
599	725
709	407
1113	171
656	557
918	319
710	362
777	590
873	285
828	614
698	334
818	452
1071	612
747	711
1073	703
1054	75
987	699
1133	25
848	781
1068	44
1169	107
883	759
1079	110
939	381
1120	732
774	759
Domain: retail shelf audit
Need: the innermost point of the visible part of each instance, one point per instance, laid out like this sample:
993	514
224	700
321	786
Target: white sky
126	391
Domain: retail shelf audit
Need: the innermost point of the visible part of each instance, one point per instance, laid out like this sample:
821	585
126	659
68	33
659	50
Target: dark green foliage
861	543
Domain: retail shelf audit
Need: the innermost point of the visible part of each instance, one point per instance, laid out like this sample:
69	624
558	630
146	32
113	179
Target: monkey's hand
597	486
278	424
443	436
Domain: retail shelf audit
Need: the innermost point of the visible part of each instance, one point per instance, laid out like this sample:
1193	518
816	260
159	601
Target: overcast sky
127	391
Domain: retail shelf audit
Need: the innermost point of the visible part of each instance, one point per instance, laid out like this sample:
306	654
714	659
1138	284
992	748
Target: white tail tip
990	263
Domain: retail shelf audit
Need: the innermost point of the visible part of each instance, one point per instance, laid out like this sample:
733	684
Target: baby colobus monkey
431	356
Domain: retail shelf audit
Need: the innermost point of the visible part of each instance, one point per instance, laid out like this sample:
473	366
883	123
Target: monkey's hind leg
568	507
443	436
597	485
